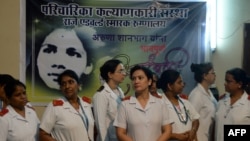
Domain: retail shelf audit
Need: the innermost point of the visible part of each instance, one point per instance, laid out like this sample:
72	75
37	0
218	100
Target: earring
79	89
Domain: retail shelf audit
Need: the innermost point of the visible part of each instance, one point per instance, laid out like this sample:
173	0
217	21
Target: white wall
231	16
9	37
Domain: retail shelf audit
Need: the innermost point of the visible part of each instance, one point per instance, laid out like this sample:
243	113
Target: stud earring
79	89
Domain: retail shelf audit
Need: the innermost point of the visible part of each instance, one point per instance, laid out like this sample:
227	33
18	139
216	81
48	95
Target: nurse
203	99
107	99
70	117
186	119
142	116
233	107
18	121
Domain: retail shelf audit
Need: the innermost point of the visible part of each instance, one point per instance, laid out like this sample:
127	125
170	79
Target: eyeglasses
211	73
122	72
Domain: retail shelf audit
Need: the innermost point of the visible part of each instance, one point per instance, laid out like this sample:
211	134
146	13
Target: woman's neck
142	95
143	98
20	110
73	99
205	85
112	85
172	98
74	102
236	96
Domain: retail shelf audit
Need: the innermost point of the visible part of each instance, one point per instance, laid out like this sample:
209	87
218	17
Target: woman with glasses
107	98
203	99
185	117
233	107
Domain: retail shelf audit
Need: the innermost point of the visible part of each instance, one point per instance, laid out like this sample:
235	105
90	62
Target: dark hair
200	69
156	75
167	77
86	43
109	66
147	71
11	87
239	75
69	73
5	78
32	57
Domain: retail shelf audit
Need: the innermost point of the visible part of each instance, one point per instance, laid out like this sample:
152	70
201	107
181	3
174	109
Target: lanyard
183	118
119	95
84	119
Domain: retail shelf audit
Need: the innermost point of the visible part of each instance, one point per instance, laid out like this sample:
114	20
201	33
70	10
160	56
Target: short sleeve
195	100
48	119
166	115
120	119
192	113
4	128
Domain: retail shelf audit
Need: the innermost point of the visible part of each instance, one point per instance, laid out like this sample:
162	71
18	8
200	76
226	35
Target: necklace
183	117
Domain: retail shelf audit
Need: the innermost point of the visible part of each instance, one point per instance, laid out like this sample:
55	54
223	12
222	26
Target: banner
82	34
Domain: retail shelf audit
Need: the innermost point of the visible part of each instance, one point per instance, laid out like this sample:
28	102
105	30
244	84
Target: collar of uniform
166	100
204	91
14	114
133	100
68	106
109	90
241	101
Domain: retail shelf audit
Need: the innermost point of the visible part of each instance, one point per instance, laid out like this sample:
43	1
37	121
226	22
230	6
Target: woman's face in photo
61	50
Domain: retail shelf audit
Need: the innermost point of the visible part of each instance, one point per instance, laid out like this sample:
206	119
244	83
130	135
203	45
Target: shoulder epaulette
222	96
126	98
57	102
3	112
86	99
183	96
156	95
100	89
30	107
